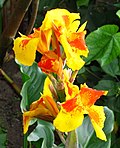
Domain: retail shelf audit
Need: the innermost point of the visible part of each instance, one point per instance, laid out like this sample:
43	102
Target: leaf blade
33	86
103	44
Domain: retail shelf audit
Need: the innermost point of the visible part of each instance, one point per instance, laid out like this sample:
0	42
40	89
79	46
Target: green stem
30	144
8	79
72	140
92	74
59	87
61	137
25	141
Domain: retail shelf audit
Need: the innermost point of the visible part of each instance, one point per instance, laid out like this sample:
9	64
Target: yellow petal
66	20
73	59
46	90
70	90
67	74
26	120
82	27
25	50
68	121
74	22
44	42
99	132
52	16
75	62
97	116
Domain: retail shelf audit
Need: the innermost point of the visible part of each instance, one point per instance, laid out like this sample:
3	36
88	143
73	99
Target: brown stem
10	31
35	5
16	88
17	17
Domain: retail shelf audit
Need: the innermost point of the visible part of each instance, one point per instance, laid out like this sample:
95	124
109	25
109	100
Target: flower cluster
61	42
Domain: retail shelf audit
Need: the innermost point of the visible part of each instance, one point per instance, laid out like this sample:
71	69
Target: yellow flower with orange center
80	102
54	32
71	38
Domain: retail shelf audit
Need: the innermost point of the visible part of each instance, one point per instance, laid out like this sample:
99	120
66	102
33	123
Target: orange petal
51	105
77	43
70	105
26	120
38	109
89	96
51	63
77	40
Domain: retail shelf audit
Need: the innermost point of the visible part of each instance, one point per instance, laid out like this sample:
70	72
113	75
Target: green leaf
87	137
94	142
82	70
91	75
43	130
45	123
2	3
82	2
3	138
37	144
58	146
113	103
44	144
109	85
117	5
113	97
116	143
104	44
113	68
109	122
48	4
33	86
118	13
85	131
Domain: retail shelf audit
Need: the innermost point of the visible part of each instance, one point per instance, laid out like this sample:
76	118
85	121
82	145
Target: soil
10	113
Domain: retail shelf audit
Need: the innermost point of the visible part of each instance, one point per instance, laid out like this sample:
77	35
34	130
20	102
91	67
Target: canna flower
53	32
65	28
25	47
45	108
80	102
